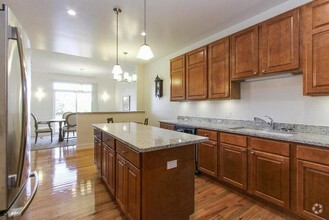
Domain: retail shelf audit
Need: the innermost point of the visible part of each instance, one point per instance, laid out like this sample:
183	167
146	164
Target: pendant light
117	69
145	52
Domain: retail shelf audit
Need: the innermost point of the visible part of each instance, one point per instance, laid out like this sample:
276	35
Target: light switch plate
171	164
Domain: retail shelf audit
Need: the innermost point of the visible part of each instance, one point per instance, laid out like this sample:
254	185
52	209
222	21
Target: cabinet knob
244	150
263	71
205	134
124	152
255	73
252	152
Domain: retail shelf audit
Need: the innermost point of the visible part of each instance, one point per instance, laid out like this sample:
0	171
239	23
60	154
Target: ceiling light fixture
126	76
71	12
145	52
117	69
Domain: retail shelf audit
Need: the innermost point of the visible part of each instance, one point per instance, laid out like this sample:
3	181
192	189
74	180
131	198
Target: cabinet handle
263	71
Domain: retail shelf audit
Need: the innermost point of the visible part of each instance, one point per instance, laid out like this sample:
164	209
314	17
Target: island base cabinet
270	177
110	159
97	153
312	192
171	172
128	188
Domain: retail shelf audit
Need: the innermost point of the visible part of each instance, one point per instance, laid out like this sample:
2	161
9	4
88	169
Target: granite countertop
144	138
296	137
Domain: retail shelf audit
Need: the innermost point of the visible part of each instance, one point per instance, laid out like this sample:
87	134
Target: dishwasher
190	130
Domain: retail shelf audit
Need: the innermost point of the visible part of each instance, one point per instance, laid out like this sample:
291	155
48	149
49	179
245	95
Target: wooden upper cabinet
177	78
244	53
196	74
315	44
219	81
279	43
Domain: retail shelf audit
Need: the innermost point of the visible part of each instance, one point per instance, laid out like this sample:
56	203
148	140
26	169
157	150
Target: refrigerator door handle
19	211
14	34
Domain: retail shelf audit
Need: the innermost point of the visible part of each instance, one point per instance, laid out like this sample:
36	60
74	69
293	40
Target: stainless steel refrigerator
18	184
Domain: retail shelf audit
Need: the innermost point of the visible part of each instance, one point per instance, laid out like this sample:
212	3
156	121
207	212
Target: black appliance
190	130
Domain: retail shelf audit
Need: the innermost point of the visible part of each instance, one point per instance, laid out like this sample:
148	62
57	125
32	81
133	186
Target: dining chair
71	125
64	116
40	128
109	120
146	121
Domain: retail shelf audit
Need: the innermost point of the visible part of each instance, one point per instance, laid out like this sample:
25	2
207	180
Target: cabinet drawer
108	140
212	135
233	139
313	154
269	146
98	133
128	153
167	126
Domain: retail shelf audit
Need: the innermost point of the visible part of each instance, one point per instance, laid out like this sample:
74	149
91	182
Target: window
72	97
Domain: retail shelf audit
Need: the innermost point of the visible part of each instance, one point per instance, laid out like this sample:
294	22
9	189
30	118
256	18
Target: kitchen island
149	170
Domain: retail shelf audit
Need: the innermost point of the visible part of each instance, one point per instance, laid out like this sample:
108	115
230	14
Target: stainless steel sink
269	132
276	133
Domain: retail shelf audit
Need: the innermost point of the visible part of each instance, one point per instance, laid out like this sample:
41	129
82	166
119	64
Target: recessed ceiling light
71	12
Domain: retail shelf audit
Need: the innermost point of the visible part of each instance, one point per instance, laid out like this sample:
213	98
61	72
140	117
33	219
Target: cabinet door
196	74
207	158
177	78
270	177
312	190
133	189
104	172
233	165
244	53
120	183
219	69
315	44
111	170
97	153
279	43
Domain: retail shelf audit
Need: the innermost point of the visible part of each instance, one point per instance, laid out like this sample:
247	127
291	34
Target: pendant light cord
117	11
145	21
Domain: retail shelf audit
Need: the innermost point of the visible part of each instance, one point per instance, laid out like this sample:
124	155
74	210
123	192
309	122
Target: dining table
60	122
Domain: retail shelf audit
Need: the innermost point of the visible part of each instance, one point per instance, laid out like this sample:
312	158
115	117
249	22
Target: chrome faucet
270	123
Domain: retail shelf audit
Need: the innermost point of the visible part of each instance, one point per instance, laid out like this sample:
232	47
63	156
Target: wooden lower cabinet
270	171
133	179
167	126
207	153
233	165
97	153
313	182
233	159
128	185
207	158
313	191
110	160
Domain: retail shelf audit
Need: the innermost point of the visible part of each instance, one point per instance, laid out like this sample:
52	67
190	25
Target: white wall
126	89
280	98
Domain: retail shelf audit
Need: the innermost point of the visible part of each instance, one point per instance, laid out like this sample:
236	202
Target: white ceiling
171	25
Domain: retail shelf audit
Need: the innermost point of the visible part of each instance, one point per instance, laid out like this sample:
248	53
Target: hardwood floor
70	189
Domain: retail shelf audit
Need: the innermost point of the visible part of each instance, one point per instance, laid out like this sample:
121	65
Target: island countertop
144	138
